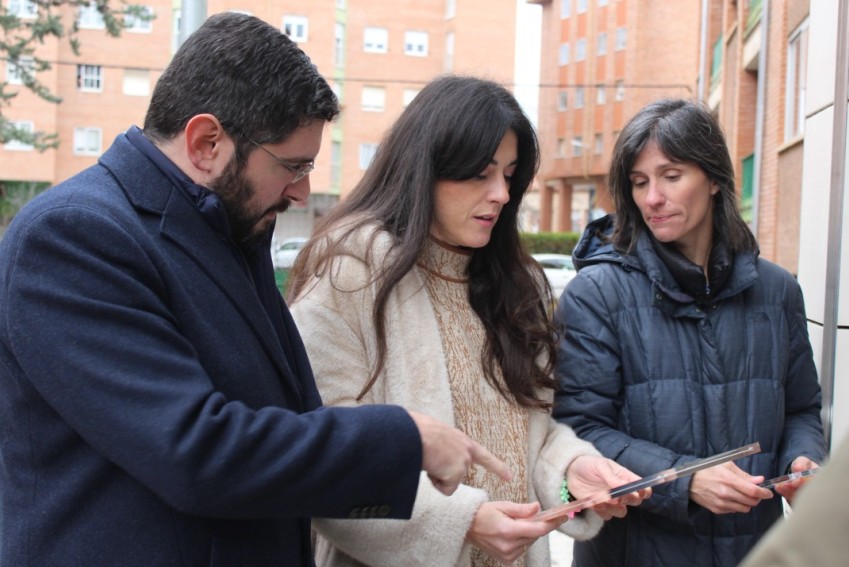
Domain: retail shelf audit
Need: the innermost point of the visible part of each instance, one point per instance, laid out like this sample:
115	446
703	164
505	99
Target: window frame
375	45
89	18
371	93
416	43
796	87
79	131
13	69
85	75
17	145
298	27
140	25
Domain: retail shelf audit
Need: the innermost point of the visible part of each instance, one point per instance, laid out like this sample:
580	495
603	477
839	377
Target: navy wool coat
655	380
149	415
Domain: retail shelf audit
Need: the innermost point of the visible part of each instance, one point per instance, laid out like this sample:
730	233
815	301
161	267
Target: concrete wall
821	131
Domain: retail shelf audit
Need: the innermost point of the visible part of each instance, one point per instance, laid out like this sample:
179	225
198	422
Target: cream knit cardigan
333	315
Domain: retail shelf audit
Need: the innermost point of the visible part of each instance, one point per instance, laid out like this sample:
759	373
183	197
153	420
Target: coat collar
594	247
150	191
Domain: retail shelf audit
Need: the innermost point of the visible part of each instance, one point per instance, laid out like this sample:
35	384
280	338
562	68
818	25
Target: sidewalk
561	549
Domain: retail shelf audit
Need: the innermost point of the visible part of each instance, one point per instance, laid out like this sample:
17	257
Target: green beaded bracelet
565	495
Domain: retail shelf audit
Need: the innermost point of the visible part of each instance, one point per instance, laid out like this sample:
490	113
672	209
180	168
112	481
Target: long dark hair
687	132
450	131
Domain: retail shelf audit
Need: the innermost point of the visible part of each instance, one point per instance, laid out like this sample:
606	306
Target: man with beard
156	403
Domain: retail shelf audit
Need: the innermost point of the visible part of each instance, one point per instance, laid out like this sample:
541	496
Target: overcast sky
528	29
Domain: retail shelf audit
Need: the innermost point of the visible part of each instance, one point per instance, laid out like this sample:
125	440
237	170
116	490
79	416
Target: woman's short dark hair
249	75
450	131
687	132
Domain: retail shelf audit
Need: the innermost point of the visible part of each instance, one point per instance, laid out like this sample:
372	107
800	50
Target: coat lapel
149	190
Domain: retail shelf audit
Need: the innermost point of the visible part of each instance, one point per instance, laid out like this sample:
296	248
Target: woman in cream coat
415	291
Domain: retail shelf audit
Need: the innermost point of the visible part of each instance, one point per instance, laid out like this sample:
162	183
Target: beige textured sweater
333	315
477	404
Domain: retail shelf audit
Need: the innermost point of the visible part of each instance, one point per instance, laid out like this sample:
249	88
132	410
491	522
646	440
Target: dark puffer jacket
655	381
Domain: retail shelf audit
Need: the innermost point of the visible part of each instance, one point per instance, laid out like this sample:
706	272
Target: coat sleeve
590	391
562	447
803	434
334	316
89	324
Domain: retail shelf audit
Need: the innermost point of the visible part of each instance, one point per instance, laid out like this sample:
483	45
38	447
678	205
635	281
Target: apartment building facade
377	54
602	60
103	89
757	87
746	59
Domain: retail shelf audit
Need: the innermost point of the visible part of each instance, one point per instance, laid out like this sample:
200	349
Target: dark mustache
282	207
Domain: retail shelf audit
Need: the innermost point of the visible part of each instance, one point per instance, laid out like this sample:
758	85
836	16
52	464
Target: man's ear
208	147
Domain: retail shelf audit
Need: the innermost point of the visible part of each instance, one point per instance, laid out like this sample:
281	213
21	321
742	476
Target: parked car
558	269
283	255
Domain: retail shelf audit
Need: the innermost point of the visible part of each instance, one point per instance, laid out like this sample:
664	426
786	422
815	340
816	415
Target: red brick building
747	60
377	54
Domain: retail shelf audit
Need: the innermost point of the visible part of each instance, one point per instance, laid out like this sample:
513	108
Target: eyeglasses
300	170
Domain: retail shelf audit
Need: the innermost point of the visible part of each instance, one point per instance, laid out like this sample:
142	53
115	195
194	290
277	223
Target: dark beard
235	191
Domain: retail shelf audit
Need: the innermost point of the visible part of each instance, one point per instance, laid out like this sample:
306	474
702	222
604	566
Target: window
338	91
561	147
448	64
598	144
87	141
565	8
136	82
375	40
582	6
450	9
373	99
579	97
408	96
335	163
176	18
602	3
716	63
367	152
600	94
563	54
415	43
581	49
601	44
24	9
577	146
340	4
620	90
563	101
90	78
797	57
90	18
296	27
746	190
17	70
621	38
339	45
141	23
24	126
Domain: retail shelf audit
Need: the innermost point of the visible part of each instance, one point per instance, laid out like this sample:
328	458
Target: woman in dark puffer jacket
679	343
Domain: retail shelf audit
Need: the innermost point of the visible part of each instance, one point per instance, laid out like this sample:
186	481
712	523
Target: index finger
482	457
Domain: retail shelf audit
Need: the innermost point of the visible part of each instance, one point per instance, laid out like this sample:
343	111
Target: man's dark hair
246	73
